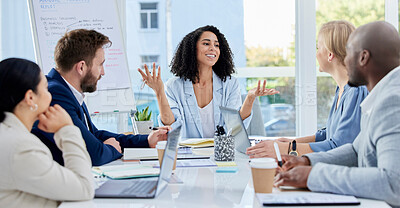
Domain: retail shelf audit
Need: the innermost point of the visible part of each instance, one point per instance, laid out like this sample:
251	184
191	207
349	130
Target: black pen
153	128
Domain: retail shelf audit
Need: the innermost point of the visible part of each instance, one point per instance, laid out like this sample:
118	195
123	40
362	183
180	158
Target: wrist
306	160
159	92
251	97
283	146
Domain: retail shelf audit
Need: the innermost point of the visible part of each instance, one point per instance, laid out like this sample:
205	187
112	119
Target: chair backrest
256	126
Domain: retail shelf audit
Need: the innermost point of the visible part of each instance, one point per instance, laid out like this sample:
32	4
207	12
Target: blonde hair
335	35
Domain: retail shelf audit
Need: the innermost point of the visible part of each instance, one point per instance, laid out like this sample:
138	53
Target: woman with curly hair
203	65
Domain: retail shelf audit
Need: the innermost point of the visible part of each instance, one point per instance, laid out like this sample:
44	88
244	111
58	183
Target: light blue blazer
183	103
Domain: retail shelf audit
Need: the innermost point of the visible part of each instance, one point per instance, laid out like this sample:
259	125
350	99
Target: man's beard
355	77
89	82
352	84
356	82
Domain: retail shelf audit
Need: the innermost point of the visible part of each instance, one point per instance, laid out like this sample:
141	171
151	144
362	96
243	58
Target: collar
188	85
368	102
192	102
78	95
13	121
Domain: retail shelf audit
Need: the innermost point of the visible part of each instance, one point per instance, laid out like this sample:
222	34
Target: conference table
203	187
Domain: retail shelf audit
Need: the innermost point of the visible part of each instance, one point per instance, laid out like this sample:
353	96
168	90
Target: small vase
144	127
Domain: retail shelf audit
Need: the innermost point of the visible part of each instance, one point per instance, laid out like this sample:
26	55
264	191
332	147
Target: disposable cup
160	150
263	172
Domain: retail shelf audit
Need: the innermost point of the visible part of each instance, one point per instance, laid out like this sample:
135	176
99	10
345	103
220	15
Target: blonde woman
343	123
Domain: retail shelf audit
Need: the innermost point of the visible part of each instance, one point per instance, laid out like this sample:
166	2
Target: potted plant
143	121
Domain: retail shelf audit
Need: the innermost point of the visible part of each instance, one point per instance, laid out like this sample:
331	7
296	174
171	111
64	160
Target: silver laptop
234	123
144	187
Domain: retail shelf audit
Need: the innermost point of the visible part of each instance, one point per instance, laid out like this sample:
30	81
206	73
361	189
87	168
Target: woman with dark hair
30	177
203	65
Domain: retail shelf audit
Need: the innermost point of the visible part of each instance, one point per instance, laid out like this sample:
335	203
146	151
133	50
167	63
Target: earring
34	108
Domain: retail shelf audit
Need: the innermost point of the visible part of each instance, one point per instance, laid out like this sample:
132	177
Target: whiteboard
51	19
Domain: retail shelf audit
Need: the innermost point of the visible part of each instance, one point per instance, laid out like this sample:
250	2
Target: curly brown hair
184	64
78	45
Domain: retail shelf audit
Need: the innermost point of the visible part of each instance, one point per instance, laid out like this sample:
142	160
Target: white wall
144	42
226	15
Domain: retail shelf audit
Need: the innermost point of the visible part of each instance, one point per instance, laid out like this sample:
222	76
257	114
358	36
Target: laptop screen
168	158
234	123
144	187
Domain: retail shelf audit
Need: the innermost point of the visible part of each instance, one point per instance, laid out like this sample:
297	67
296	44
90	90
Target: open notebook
126	171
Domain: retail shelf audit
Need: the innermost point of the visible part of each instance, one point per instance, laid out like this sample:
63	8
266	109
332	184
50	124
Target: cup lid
161	144
264	163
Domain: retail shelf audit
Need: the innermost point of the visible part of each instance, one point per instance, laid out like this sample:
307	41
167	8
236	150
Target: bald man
369	167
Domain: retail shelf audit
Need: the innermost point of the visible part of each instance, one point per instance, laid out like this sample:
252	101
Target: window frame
149	64
148	13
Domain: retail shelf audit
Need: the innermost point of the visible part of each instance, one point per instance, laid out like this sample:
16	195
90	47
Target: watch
293	150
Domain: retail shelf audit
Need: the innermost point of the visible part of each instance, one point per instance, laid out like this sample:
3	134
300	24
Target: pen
229	132
143	84
153	128
278	154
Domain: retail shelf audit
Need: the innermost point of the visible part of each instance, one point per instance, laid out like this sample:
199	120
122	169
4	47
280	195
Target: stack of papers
195	143
126	171
140	154
305	198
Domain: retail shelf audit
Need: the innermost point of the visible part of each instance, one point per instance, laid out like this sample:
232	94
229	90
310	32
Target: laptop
144	187
234	123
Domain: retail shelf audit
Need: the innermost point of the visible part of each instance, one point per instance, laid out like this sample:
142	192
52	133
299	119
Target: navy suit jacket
99	152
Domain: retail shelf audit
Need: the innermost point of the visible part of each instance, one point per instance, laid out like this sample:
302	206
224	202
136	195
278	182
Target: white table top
203	187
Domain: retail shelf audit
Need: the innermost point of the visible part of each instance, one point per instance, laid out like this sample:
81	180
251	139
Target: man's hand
290	161
296	177
158	135
113	142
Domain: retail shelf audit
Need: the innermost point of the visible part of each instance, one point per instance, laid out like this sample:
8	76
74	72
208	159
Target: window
148	16
356	12
271	56
149	60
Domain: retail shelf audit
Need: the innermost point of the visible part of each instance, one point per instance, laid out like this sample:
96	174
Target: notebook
234	123
196	143
126	171
143	154
306	199
144	187
140	154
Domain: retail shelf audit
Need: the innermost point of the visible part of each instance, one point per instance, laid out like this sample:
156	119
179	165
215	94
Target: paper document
195	143
306	198
185	163
184	150
195	163
140	153
126	171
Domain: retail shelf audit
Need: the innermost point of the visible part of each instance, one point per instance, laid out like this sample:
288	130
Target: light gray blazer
369	167
29	176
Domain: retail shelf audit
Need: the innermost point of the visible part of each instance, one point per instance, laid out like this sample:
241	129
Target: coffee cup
160	150
263	172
